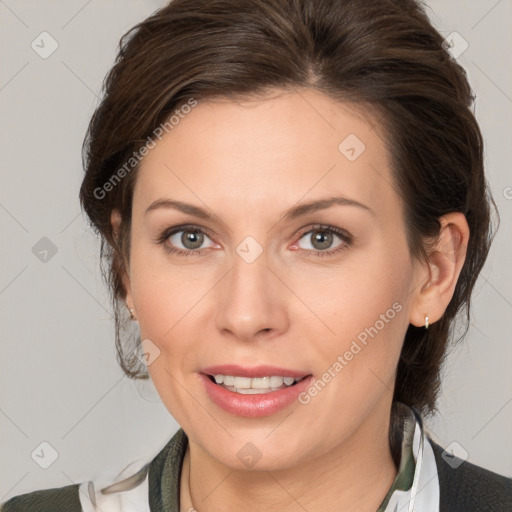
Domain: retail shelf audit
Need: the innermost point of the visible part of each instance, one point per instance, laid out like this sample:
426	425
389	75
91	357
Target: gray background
59	379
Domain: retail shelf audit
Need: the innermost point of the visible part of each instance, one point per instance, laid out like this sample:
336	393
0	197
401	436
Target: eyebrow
293	213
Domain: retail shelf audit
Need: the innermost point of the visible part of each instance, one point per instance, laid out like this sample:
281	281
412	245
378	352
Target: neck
354	476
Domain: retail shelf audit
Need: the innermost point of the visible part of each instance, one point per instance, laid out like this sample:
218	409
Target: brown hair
383	54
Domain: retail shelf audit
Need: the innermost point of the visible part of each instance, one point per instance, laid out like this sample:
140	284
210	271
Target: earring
132	316
426	321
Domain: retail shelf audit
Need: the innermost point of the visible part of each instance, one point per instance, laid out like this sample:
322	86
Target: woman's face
325	292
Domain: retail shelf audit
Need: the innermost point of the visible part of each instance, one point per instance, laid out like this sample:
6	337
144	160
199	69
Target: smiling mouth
253	386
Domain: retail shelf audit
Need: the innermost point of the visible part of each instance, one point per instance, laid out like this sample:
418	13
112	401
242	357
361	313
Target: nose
252	301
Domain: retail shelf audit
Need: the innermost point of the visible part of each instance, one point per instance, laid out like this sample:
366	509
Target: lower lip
254	406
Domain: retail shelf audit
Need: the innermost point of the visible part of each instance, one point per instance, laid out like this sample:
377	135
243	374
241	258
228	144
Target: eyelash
344	236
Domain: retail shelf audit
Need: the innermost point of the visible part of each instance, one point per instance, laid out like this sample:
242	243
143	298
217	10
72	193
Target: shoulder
121	494
46	500
465	487
128	489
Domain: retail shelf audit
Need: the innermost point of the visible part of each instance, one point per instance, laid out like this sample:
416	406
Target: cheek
166	300
356	358
363	308
164	292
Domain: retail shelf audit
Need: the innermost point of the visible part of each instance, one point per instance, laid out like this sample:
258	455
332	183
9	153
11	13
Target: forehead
240	156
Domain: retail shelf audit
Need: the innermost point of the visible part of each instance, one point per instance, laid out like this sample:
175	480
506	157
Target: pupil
324	238
192	237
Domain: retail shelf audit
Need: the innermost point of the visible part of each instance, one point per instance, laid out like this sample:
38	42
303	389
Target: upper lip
253	371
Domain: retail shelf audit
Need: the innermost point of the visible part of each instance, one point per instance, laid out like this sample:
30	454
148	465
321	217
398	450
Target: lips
253	405
254	371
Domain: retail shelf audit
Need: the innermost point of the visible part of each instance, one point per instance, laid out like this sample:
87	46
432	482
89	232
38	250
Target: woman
292	206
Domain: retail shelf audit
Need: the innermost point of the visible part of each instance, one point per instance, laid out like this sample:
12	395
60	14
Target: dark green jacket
468	488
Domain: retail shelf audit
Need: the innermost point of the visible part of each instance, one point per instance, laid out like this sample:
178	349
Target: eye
185	240
188	240
321	239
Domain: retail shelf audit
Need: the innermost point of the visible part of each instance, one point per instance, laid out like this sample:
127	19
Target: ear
435	285
115	220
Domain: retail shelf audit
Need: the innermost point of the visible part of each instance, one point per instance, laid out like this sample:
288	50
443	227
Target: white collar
423	495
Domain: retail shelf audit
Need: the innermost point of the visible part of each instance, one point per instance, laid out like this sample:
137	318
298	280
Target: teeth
275	382
247	385
239	382
250	391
